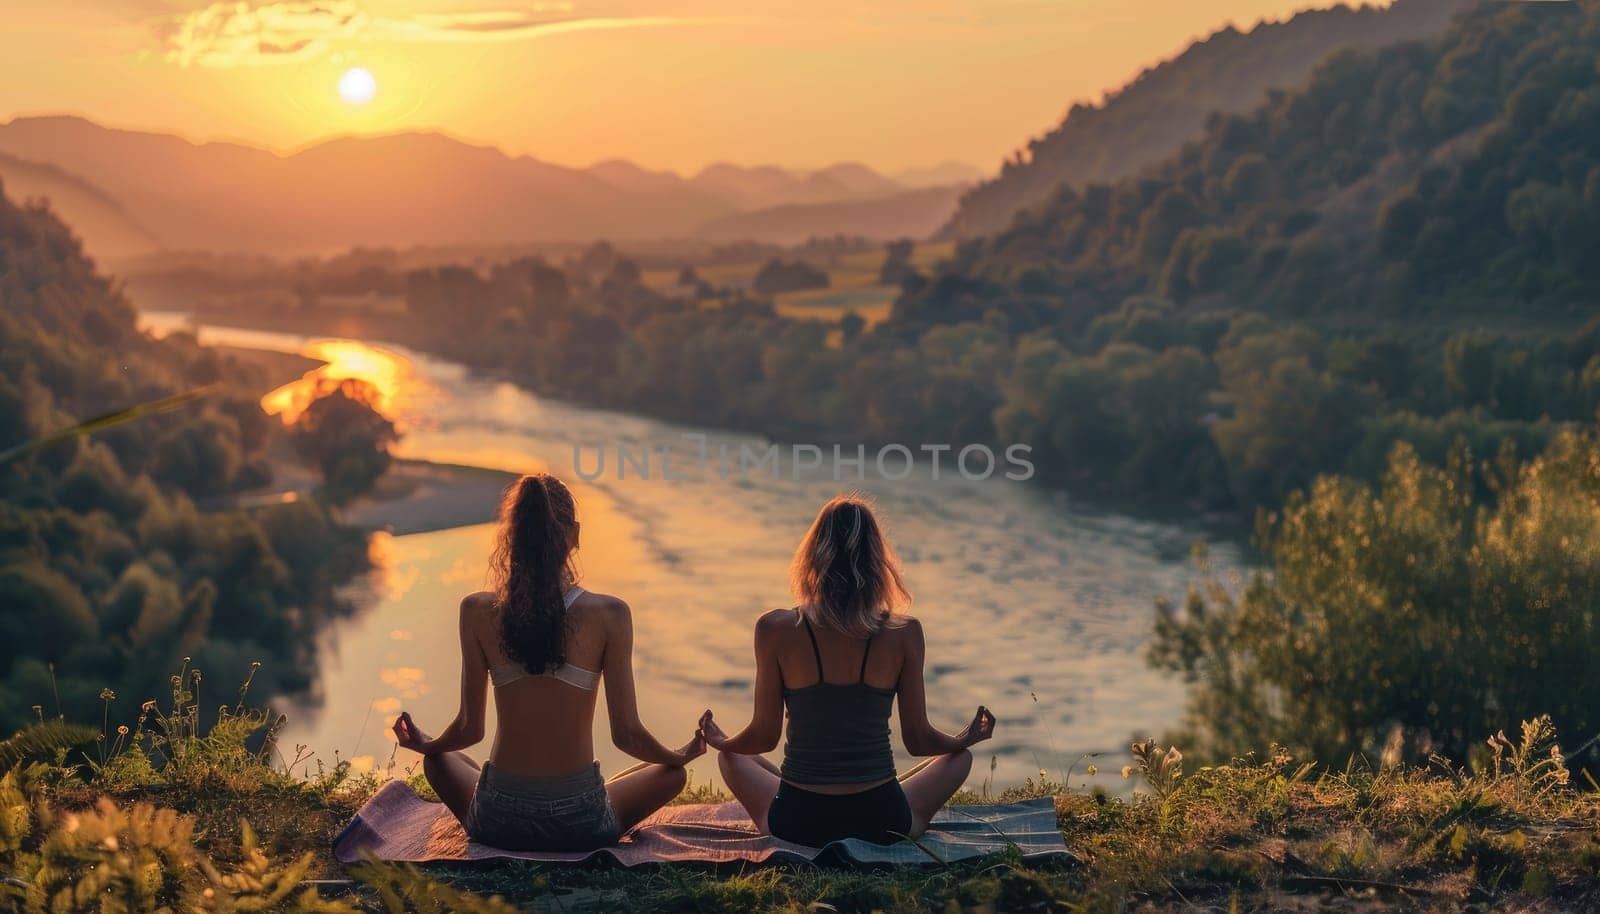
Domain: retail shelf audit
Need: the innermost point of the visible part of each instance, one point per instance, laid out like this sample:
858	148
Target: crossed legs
634	793
754	782
454	777
641	790
931	783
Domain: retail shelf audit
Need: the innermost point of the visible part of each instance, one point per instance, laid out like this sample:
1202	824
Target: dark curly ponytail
532	568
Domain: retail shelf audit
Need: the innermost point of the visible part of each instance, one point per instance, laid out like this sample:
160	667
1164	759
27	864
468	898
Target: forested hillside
118	551
1396	251
1144	122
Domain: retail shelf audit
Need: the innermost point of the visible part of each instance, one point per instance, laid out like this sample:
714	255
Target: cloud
227	34
233	33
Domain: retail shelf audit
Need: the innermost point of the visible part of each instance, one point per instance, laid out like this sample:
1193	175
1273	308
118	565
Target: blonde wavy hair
845	575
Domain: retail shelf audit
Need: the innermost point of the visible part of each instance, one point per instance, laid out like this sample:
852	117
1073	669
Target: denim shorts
519	812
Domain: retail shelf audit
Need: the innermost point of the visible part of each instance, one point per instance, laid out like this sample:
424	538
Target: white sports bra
575	676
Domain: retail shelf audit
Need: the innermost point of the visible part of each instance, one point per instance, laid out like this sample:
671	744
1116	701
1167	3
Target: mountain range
129	192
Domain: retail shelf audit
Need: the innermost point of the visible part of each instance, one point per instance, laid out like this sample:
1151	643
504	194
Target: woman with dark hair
546	644
837	662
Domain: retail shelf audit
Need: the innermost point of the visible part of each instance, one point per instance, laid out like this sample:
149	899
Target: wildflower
1127	771
122	730
107	695
1092	770
148	706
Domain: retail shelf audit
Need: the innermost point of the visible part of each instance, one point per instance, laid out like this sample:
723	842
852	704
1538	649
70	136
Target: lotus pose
546	644
837	662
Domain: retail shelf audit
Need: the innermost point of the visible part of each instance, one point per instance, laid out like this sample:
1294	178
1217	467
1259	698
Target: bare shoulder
603	607
905	630
773	626
775	621
478	605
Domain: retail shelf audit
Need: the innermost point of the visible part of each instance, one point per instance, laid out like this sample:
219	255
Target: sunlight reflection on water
1034	606
394	385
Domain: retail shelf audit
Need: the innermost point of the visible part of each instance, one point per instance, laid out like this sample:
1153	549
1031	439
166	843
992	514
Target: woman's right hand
711	732
980	729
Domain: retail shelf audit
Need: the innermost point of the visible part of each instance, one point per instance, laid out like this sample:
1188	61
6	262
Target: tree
850	326
777	276
346	436
1429	611
1469	359
203	453
1289	414
46	614
897	262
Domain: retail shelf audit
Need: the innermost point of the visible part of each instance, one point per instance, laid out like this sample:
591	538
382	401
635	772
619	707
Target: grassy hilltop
162	817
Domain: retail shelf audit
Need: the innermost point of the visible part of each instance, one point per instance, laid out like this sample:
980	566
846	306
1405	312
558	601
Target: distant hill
940	174
1146	120
766	186
908	214
391	190
407	189
108	230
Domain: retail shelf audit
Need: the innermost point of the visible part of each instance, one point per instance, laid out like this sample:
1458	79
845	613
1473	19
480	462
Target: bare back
841	653
544	726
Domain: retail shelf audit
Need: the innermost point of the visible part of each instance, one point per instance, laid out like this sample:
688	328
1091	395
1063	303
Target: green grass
161	824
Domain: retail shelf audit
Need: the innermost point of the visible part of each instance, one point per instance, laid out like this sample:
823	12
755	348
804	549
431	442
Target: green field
854	283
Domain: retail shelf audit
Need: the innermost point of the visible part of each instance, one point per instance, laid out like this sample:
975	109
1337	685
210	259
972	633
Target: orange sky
672	85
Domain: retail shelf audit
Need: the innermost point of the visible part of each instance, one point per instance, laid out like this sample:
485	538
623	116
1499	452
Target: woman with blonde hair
546	645
837	662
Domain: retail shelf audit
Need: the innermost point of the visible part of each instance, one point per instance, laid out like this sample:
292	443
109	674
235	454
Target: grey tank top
838	732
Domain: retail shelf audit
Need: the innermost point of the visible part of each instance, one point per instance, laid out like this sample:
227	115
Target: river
1034	605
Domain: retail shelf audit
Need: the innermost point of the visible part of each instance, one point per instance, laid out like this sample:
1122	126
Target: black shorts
880	815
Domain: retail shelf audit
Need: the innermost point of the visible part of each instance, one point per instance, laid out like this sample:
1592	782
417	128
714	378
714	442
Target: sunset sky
675	85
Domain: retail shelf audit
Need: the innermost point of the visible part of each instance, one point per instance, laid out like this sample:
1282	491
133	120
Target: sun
357	86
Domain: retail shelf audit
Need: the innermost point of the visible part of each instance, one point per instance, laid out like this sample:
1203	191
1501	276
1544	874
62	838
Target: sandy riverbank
417	496
276	368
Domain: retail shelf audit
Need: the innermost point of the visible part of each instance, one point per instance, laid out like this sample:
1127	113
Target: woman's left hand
409	735
980	729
